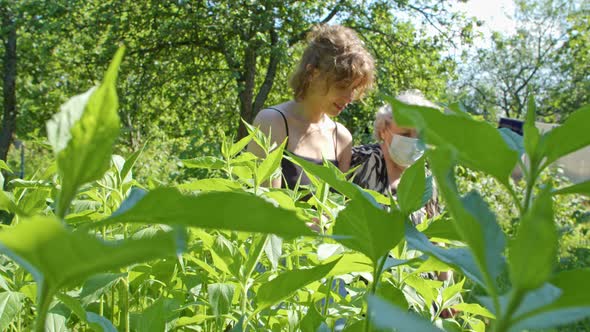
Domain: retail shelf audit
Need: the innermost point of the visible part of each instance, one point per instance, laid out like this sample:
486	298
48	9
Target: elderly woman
381	164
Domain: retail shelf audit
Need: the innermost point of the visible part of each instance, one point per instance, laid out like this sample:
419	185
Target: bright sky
494	13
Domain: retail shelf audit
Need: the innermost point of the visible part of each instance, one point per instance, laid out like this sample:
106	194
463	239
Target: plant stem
124	305
513	304
43	307
376	276
328	293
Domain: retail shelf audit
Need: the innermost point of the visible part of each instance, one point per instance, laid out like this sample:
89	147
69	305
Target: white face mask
405	150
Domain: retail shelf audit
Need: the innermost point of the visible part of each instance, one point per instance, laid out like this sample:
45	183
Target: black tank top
292	172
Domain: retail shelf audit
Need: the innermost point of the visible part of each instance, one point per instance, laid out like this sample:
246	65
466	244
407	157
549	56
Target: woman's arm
344	140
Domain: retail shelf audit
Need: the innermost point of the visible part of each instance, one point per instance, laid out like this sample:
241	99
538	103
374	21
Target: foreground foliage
227	253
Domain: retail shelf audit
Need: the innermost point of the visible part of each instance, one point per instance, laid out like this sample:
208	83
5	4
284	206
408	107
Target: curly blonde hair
339	54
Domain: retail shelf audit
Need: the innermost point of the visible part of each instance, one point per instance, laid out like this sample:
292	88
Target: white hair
384	115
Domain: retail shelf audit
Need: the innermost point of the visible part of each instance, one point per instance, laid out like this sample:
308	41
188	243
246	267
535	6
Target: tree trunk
246	84
9	87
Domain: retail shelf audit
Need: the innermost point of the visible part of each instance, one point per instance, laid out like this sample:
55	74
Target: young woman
335	70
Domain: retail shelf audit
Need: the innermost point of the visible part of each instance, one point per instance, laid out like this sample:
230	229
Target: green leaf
130	162
531	132
350	262
513	140
11	304
536	234
96	322
443	228
473	220
392	294
368	229
7	204
240	145
460	258
270	163
5	167
57	257
473	308
384	315
333	178
582	188
571	136
97	285
213	184
86	155
312	320
289	282
204	162
411	188
463	135
156	316
273	250
216	210
572	304
56	318
220	298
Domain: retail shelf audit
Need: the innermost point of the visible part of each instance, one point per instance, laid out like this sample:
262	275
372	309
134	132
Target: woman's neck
309	111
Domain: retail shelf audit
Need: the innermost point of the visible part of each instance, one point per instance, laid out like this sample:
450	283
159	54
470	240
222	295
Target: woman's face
332	98
391	129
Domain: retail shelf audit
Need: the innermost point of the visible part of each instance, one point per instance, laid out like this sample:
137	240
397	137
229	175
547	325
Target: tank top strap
285	121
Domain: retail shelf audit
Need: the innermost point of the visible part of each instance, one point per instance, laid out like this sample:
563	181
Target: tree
538	60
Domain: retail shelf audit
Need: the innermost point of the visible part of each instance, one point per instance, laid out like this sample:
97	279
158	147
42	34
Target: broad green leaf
582	188
7	204
442	228
427	288
386	316
450	292
97	285
474	221
289	282
156	317
204	162
216	210
513	140
240	145
130	162
312	320
392	294
335	180
213	184
411	187
11	304
473	308
463	135
273	250
57	257
368	229
460	258
571	136
531	132
350	262
536	234
220	298
572	304
56	318
96	322
270	163
86	155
